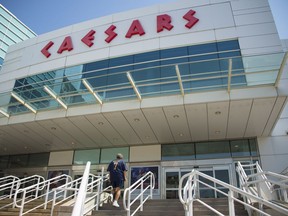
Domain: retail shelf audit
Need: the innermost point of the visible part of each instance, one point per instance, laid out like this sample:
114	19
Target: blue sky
49	15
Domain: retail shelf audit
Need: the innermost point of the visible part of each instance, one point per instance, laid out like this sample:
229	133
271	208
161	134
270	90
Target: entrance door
172	178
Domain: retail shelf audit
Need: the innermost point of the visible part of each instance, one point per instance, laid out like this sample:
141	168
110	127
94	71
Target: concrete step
172	208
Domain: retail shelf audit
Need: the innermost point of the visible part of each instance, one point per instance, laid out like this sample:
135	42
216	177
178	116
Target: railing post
285	198
37	188
197	192
231	203
128	204
12	188
22	203
65	191
53	201
151	189
190	195
98	193
47	195
141	199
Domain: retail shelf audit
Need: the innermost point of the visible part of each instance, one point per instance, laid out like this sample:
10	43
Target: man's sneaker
110	198
115	204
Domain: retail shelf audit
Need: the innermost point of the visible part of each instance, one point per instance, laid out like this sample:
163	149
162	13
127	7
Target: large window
178	152
201	67
109	154
81	157
210	150
205	150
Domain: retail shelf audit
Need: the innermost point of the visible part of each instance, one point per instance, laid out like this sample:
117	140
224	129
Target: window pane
81	157
38	160
212	150
253	147
4	162
228	45
240	148
17	161
203	48
178	152
109	154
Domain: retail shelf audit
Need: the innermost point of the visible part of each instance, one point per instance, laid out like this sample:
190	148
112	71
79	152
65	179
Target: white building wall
273	153
251	22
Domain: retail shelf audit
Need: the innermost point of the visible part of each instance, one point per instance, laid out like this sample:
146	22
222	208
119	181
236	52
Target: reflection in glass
212	150
178	152
172	179
81	157
240	148
109	154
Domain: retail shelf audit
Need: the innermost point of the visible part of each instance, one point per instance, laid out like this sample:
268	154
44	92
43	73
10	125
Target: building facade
12	31
174	87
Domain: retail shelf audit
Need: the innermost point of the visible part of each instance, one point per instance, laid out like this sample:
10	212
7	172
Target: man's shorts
117	183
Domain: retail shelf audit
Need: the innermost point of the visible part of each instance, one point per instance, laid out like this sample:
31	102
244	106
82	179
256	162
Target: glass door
172	178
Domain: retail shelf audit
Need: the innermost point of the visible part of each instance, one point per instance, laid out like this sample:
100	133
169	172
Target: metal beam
22	101
130	78
179	80
229	75
90	89
4	113
55	96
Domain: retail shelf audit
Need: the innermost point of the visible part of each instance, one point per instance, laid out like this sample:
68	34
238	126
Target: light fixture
175	116
53	128
217	132
100	123
26	104
181	134
50	92
90	89
4	113
217	112
134	86
136	119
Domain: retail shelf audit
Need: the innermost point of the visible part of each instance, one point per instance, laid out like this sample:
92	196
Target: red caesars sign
164	21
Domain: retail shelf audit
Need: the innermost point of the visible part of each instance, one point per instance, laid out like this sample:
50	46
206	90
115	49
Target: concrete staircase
9	211
168	207
172	208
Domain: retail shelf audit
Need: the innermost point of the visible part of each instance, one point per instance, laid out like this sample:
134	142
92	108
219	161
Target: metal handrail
41	189
8	183
80	200
268	185
149	176
190	195
93	186
13	184
8	186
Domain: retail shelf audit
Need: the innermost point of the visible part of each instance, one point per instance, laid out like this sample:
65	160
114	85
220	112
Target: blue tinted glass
150	56
118	79
178	152
228	45
213	150
151	59
175	52
125	60
154	73
203	48
98	82
95	66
